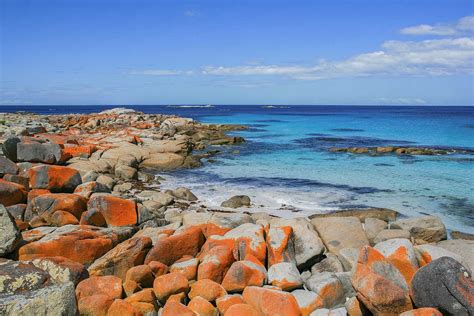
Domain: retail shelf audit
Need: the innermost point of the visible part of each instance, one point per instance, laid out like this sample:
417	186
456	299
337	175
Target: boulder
220	223
307	301
341	232
10	237
83	244
11	193
21	180
86	189
202	307
96	305
116	211
126	173
270	302
49	153
9	148
169	284
461	247
329	264
426	311
379	285
187	266
237	201
7	167
215	263
110	286
244	273
223	303
54	178
242	310
308	246
167	250
47	204
207	289
423	229
388	234
123	308
426	253
61	269
373	227
183	194
173	308
163	161
144	300
280	246
329	288
249	239
124	256
138	278
284	275
446	285
401	254
17	211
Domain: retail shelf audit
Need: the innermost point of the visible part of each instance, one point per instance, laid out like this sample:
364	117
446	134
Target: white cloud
464	24
423	58
161	72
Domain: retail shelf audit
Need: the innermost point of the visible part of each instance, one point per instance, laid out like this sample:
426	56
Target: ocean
286	168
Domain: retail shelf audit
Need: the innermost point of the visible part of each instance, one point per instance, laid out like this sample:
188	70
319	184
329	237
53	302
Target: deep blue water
286	166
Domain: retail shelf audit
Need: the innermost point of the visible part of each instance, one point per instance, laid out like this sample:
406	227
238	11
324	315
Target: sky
331	52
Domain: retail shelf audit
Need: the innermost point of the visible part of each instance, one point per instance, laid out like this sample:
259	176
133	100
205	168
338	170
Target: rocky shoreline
85	229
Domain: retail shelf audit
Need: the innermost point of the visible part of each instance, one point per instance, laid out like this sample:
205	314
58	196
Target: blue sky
237	52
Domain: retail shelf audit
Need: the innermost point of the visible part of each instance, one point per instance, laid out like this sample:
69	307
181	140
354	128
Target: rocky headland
86	230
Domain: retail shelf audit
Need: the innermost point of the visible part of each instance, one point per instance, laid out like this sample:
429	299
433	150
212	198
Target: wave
192	106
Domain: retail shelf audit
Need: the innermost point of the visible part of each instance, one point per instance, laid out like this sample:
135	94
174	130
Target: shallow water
285	164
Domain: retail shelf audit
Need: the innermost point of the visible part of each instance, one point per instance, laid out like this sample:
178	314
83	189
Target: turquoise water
286	167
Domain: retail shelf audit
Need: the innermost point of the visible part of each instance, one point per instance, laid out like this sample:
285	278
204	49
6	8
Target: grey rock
320	282
107	181
444	284
329	264
183	194
10	236
237	201
21	180
348	257
9	148
126	172
7	166
90	176
35	152
17	211
285	275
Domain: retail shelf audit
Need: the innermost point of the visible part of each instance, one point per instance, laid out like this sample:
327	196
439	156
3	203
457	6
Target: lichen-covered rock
308	301
271	302
11	193
123	308
424	311
244	273
249	239
83	244
10	236
86	189
62	269
242	310
54	178
280	245
124	256
308	246
328	287
173	308
29	290
427	252
116	211
207	289
446	285
423	229
401	254
224	302
169	284
109	285
285	275
379	285
138	278
464	248
329	264
168	250
46	205
202	307
215	263
94	305
187	266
